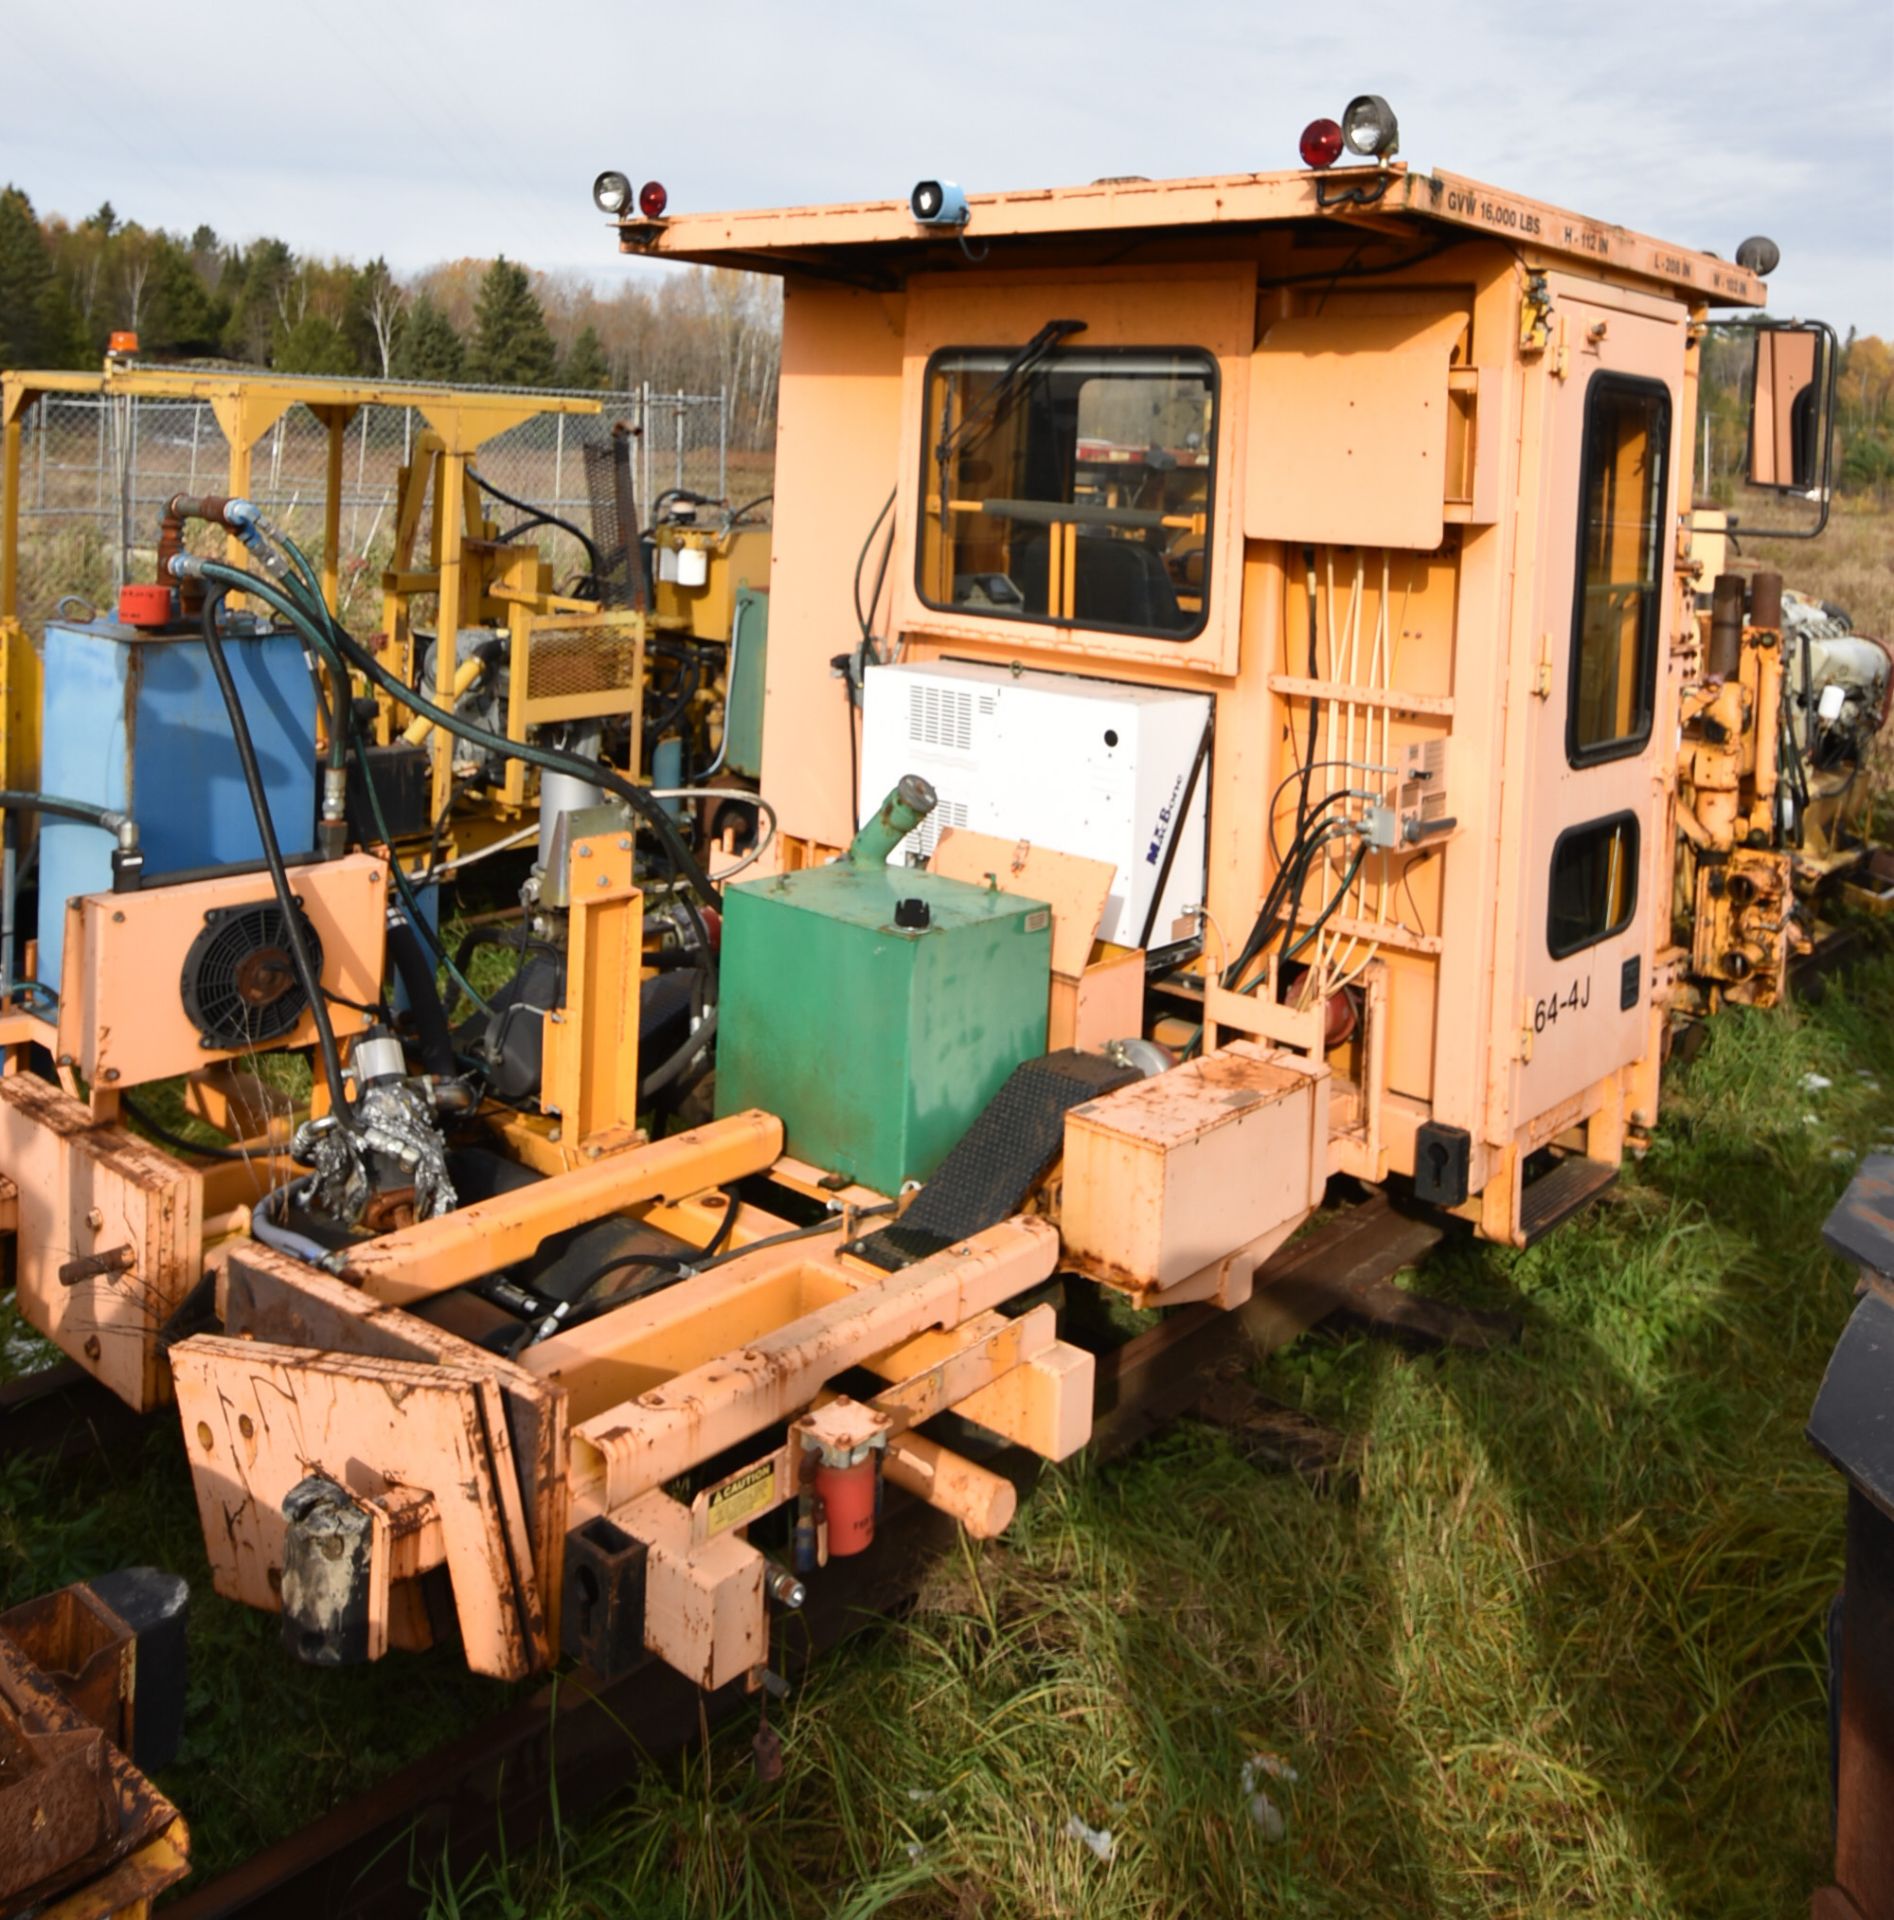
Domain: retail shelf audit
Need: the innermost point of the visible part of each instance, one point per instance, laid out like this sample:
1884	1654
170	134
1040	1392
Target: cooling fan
239	985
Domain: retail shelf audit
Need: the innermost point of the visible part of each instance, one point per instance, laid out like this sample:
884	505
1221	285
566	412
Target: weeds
1563	1652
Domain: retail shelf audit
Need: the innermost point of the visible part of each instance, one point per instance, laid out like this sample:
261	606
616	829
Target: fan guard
239	986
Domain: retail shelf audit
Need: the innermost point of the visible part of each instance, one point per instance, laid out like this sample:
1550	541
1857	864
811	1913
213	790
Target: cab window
1594	883
1616	621
1078	492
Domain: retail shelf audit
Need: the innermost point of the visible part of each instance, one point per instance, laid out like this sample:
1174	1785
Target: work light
611	192
1759	255
938	203
1369	127
652	199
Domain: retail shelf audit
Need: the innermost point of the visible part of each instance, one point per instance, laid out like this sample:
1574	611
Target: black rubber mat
998	1161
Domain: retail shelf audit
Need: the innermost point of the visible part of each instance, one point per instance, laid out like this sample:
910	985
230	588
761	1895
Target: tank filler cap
913	914
145	603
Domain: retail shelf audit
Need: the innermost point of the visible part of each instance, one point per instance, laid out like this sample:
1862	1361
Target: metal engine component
391	1167
1837	682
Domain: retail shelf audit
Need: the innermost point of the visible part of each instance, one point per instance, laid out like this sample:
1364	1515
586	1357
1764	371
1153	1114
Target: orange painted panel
1348	429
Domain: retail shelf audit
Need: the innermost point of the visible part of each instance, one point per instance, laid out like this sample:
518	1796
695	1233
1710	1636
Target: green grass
1562	1653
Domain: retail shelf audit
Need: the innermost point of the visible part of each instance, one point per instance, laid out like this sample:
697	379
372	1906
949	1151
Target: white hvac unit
1091	767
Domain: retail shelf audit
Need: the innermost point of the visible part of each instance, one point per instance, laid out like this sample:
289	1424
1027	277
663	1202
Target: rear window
1594	883
1077	493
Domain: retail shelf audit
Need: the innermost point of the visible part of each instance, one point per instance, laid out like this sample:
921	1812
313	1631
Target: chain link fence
96	471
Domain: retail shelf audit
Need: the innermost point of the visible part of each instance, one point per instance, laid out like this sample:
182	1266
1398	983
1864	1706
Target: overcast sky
425	130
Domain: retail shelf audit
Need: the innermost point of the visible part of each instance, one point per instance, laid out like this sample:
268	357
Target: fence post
723	443
678	469
98	492
39	444
197	427
559	462
361	477
644	444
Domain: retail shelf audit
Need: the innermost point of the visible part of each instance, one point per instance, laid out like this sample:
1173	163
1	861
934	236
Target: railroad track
63	1413
573	1744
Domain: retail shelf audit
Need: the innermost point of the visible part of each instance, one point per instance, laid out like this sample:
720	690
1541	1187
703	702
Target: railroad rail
564	1751
569	1747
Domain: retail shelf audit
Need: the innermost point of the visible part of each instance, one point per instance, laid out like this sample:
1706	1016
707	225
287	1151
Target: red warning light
652	199
1321	143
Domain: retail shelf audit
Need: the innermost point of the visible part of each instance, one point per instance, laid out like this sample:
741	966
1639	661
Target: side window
1078	492
1594	883
1621	551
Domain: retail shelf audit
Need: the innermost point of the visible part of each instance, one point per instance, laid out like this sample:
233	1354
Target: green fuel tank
877	1009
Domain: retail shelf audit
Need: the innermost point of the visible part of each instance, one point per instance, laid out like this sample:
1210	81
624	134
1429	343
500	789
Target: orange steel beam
434	1255
633	1448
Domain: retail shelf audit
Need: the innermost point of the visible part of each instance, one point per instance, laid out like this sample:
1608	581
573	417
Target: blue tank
133	720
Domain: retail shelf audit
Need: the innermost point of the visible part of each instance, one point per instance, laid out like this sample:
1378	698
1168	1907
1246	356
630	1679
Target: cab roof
879	242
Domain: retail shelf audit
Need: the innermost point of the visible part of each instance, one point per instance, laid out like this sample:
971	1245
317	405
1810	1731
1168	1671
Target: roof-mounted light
611	192
1370	128
939	203
652	199
1321	144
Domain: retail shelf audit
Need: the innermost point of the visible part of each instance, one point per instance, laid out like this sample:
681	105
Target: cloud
425	131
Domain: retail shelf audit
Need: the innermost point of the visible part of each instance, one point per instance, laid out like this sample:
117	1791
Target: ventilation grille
239	986
940	717
920	844
580	660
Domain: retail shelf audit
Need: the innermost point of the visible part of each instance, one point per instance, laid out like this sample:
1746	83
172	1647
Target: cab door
1594	802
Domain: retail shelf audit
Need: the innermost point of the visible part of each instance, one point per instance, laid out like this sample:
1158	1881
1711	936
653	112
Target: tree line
65	288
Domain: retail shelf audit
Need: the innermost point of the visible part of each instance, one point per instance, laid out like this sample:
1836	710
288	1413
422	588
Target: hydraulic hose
263	1224
120	825
542	517
436	1041
306	975
353	654
667	1071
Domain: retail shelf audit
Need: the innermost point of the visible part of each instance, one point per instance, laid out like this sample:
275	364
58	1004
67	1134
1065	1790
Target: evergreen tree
315	344
585	366
38	325
259	280
512	346
428	347
180	317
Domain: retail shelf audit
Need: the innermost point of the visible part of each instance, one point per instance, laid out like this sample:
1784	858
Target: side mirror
1791	409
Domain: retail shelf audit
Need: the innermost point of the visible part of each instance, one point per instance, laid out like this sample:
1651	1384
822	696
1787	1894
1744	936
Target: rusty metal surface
1851	1424
568	1748
1861	1226
1864	1830
71	1805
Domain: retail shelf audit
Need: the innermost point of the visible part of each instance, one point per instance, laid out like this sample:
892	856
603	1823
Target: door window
1615	627
1594	883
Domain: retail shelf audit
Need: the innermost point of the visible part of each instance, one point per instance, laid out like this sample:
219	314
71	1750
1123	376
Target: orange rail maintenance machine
1236	713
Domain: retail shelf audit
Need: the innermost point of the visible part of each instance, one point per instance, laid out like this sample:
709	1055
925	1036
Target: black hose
353	654
1340	894
306	975
434	1041
81	810
661	1077
544	518
176	1142
690	1267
